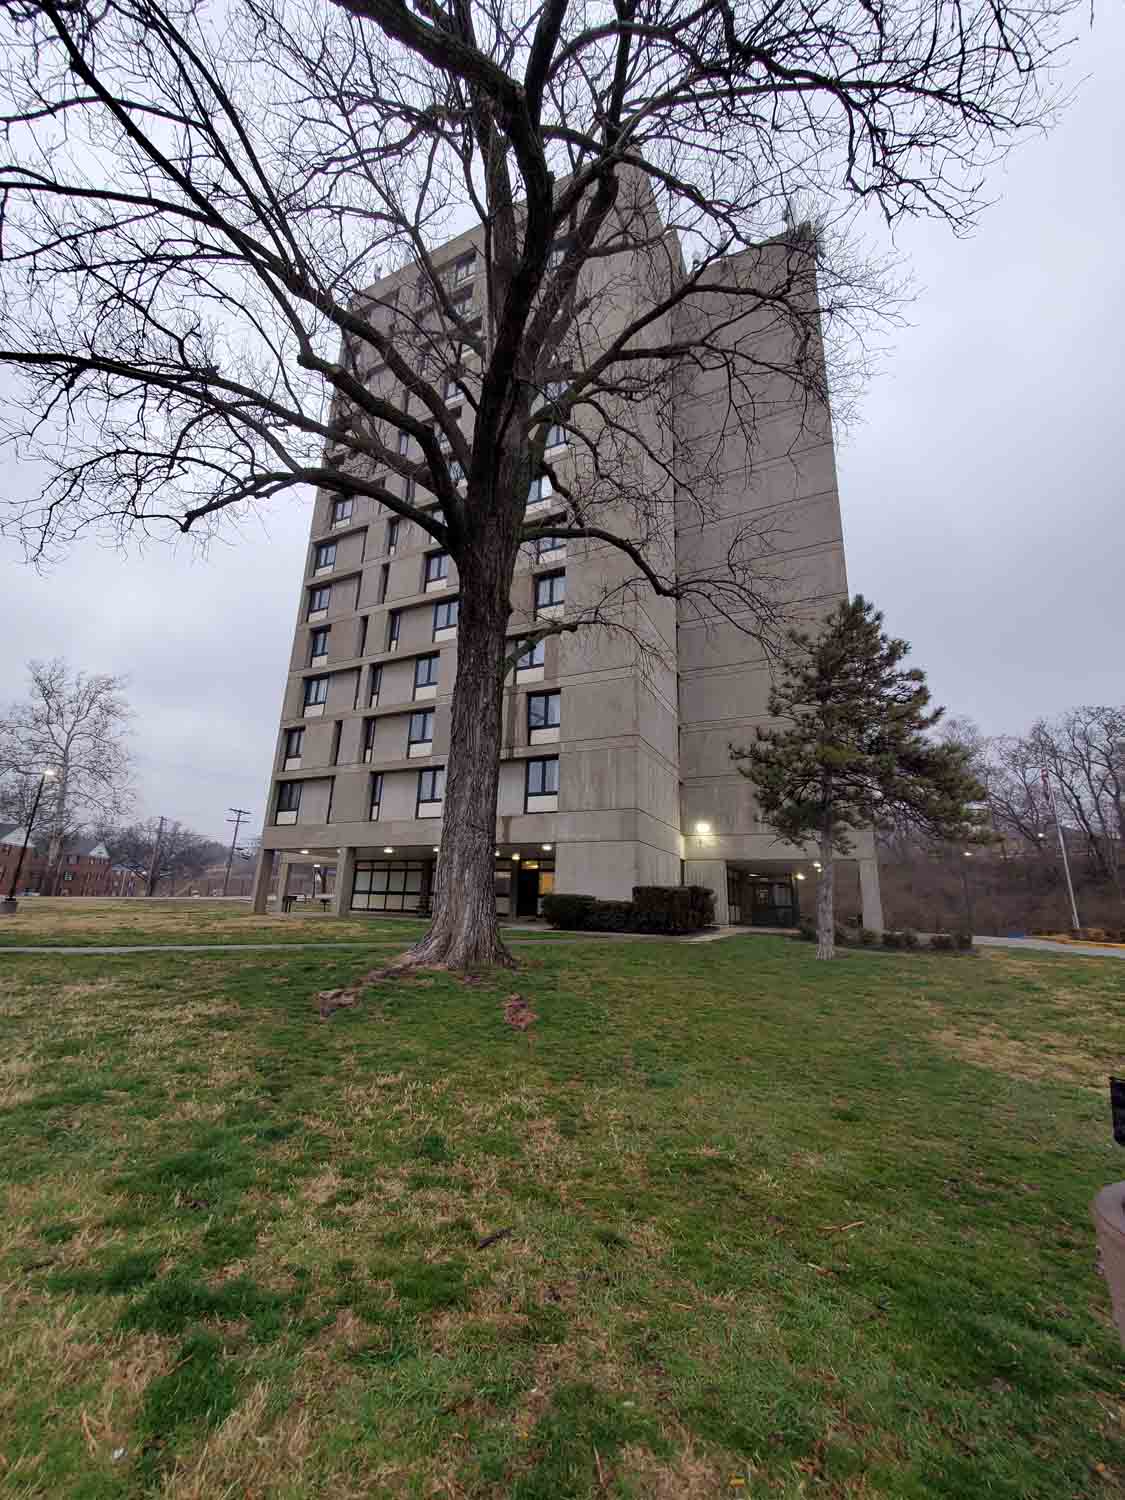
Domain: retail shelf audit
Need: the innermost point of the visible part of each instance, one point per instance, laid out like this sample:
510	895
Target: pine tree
855	749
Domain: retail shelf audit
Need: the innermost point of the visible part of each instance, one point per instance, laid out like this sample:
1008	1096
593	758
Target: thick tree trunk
826	896
464	933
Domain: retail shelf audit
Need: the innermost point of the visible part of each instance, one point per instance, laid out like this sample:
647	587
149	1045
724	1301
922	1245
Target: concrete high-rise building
612	775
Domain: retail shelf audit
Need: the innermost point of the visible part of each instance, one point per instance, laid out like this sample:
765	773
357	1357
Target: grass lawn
725	1221
63	921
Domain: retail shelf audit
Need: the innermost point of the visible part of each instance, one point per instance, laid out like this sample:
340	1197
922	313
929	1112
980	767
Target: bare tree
75	725
1083	751
197	208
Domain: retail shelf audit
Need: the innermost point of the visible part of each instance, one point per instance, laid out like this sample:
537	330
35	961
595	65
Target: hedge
654	908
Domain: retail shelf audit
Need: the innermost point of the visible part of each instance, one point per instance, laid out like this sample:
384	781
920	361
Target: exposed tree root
414	961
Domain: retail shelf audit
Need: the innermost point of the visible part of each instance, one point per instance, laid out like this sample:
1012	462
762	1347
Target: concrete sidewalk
1044	945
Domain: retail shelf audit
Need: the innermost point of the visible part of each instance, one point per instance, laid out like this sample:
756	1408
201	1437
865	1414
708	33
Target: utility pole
1062	847
239	814
152	875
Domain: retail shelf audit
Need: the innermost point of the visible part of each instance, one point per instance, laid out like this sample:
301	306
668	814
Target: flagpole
1077	925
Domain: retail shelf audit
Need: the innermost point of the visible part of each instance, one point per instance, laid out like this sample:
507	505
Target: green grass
61	922
726	1221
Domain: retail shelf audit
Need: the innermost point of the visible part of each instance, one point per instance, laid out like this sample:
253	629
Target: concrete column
283	884
263	874
870	899
713	874
345	879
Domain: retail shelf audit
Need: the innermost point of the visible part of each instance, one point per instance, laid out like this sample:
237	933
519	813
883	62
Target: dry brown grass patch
688	1476
248	1455
1052	1055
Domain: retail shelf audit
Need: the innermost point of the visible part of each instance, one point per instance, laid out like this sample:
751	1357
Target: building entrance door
527	893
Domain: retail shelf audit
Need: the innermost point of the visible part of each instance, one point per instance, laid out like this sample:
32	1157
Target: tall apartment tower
612	775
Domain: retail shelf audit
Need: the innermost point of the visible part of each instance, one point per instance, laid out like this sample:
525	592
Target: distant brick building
86	868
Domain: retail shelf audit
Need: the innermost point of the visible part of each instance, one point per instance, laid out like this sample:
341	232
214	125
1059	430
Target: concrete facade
634	784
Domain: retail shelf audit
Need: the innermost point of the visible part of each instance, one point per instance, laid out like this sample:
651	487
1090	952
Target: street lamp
10	904
968	853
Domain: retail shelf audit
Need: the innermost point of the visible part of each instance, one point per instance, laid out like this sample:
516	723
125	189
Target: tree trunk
826	895
464	933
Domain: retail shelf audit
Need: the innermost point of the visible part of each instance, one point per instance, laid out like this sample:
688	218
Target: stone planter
1108	1209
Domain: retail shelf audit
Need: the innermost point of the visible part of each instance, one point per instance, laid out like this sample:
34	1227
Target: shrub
610	916
909	937
892	939
867	938
702	901
569	912
667	908
942	942
806	930
964	942
842	937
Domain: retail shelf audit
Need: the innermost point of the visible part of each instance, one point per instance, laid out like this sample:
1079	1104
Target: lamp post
965	888
10	904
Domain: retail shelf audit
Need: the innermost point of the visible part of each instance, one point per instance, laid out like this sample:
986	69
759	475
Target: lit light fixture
968	854
388	848
545	846
437	848
497	854
515	856
49	773
703	828
799	875
304	851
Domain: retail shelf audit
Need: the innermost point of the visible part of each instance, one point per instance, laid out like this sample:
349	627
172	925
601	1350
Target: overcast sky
981	491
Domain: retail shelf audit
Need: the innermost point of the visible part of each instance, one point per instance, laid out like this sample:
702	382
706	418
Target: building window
374	684
403	443
464	267
543	717
288	802
291	750
318	643
368	740
341	511
420	735
324	558
531	657
550	549
426	676
540	492
451	387
557	254
437	570
431	792
318	603
557	435
457	471
445	619
316	695
392	535
542	793
550	594
394	628
376	795
462	303
362	642
389	885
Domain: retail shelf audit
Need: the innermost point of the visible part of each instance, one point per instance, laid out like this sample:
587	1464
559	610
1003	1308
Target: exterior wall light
703	828
388	849
515	856
799	875
546	846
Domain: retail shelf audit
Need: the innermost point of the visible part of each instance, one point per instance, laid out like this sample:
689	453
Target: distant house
86	868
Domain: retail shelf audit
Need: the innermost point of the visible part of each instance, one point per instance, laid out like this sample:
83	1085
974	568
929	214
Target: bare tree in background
1083	751
196	206
76	725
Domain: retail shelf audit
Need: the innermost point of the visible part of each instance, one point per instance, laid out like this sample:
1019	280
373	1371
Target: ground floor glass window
389	885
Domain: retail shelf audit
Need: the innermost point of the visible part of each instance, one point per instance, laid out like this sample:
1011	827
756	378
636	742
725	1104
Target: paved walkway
1044	945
